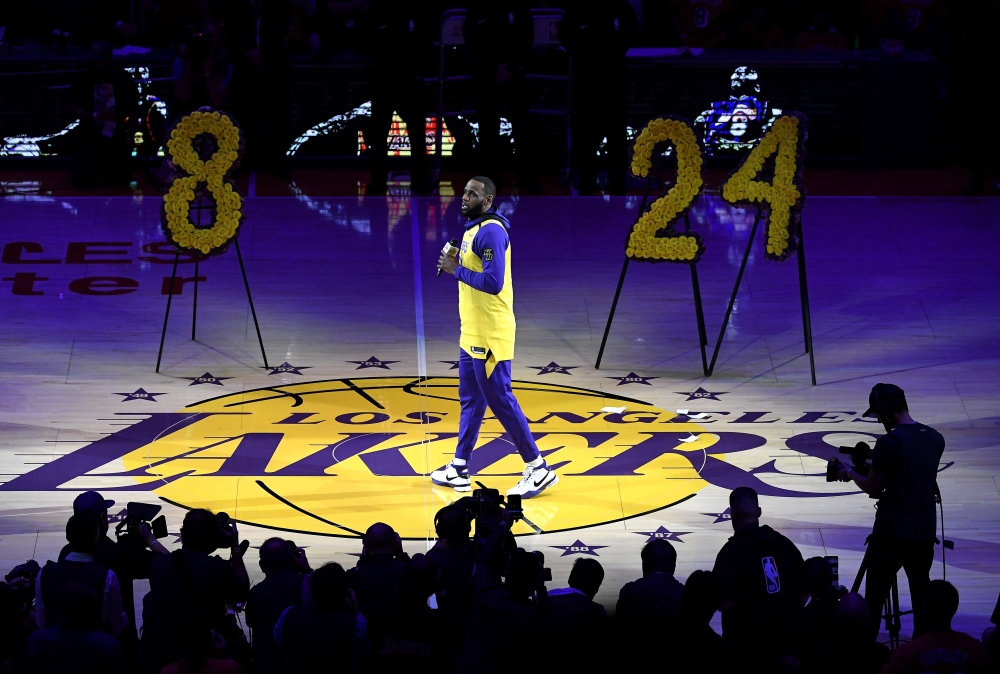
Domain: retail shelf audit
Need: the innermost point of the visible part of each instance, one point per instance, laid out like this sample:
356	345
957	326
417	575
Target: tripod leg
806	314
253	312
611	316
166	315
861	572
194	315
893	624
736	289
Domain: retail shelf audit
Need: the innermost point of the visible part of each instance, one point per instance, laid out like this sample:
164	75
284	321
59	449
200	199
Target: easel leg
806	314
700	314
194	315
611	316
170	297
736	288
621	279
698	310
250	297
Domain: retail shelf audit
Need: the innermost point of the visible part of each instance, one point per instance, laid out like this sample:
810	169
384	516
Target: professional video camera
225	537
127	530
546	574
861	455
487	506
21	580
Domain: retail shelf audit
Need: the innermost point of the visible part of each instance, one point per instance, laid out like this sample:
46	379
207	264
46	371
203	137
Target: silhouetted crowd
236	55
468	605
336	27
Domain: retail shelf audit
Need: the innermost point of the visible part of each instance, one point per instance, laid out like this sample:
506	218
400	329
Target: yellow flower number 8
784	194
652	238
204	177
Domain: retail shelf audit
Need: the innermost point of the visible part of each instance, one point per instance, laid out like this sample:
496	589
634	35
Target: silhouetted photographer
130	554
191	590
902	475
509	601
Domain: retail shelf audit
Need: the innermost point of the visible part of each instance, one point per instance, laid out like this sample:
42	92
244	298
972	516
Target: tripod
891	611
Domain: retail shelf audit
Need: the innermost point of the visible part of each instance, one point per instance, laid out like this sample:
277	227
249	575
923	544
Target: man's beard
475	211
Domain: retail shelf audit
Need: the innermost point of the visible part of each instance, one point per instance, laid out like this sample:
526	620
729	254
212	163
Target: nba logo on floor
771	577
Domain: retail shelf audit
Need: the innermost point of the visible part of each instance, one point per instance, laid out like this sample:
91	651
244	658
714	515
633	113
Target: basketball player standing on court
486	308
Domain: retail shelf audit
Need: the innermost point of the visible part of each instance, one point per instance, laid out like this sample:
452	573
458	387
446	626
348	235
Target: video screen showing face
735	125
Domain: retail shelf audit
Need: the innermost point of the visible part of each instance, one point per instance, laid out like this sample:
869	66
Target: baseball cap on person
90	501
888	398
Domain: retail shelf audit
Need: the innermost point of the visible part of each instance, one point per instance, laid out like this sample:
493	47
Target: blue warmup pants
476	391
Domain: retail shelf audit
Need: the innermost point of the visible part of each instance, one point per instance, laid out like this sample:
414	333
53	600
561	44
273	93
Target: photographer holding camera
285	568
130	557
903	477
190	590
454	555
508	611
79	567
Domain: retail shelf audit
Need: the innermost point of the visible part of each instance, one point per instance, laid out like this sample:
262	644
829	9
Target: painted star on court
663	534
453	363
632	378
725	516
286	368
206	378
552	368
701	394
579	548
372	362
140	394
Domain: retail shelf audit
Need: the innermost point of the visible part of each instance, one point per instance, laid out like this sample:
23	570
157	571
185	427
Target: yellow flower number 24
216	134
652	237
784	194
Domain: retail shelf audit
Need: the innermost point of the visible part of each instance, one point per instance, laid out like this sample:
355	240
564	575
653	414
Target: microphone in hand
450	249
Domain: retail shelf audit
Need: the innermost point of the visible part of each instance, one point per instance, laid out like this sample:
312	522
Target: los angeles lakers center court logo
332	457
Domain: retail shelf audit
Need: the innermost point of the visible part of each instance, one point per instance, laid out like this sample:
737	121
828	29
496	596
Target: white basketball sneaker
534	481
451	476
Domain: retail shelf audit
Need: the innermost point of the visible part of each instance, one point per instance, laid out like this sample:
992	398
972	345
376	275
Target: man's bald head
744	507
380	539
275	554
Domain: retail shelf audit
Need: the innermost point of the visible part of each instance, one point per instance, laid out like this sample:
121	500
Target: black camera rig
486	508
861	455
127	530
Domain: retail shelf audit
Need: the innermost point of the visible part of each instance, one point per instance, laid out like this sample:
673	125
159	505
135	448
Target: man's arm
39	604
871	483
885	454
490	245
724	571
241	588
115	616
622	607
146	532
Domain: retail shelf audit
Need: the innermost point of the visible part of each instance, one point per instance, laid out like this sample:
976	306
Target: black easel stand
803	296
698	310
194	317
695	287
